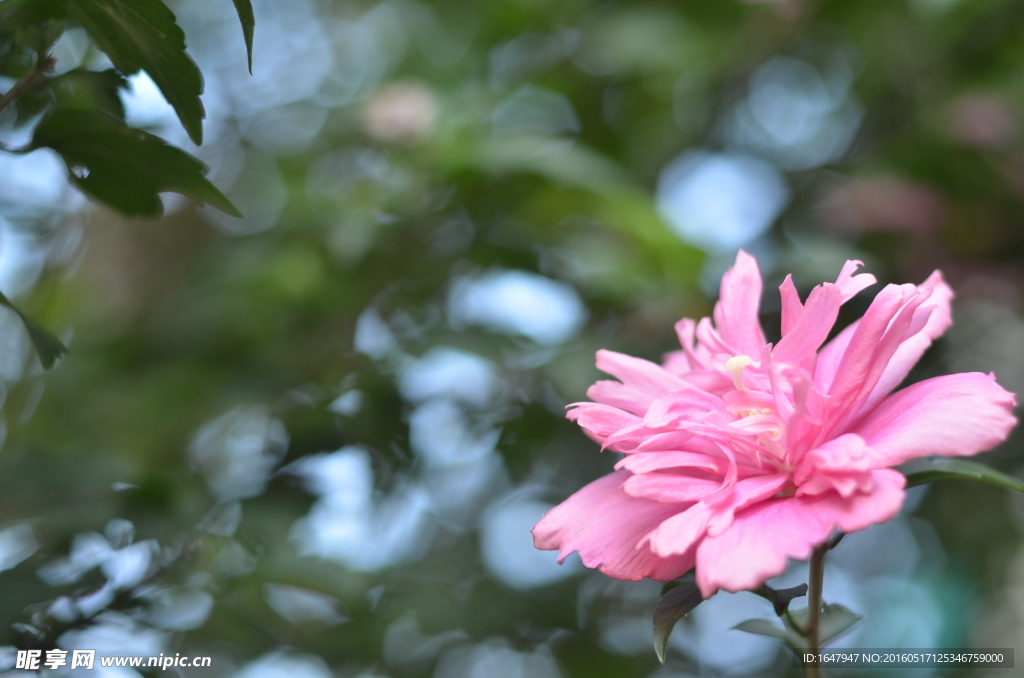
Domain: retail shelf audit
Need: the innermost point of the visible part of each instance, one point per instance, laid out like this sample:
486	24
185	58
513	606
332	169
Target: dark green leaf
142	35
930	470
47	346
765	627
674	605
88	90
23	14
245	15
124	167
780	598
9	6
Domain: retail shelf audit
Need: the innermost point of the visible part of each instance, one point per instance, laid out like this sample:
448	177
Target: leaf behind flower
674	605
931	469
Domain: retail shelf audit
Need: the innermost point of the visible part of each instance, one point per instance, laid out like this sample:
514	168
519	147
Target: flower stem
814	585
28	82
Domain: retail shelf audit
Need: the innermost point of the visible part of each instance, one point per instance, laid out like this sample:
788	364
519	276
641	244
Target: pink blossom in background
740	455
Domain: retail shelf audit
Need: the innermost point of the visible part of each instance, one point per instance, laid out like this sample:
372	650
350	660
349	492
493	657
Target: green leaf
47	346
674	605
124	167
88	90
248	19
34	25
142	35
780	598
835	621
765	627
931	469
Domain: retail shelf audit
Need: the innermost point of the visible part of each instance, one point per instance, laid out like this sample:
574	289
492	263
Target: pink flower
740	455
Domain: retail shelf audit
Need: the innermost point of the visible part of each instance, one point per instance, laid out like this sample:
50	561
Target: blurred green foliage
424	145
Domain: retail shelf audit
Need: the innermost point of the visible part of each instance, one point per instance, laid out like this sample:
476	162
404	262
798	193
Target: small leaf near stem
780	598
764	627
674	605
48	347
813	625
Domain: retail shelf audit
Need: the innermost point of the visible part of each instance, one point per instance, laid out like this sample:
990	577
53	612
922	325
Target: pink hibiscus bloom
740	455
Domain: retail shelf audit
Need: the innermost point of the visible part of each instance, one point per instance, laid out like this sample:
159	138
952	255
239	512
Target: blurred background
311	442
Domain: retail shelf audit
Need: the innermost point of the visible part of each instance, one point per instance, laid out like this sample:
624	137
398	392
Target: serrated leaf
780	598
142	35
88	90
674	605
765	627
248	19
48	347
835	621
930	470
124	167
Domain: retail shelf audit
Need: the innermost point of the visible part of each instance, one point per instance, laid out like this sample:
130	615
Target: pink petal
740	401
736	313
600	421
646	462
709	341
620	396
674	440
923	315
697	355
639	373
791	305
952	415
831	355
638	438
848	452
937	309
811	331
845	483
686	406
605	525
876	338
746	493
761	539
676	362
674	488
712	381
680	532
849	284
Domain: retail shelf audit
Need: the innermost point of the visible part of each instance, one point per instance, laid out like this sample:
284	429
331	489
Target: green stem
814	586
